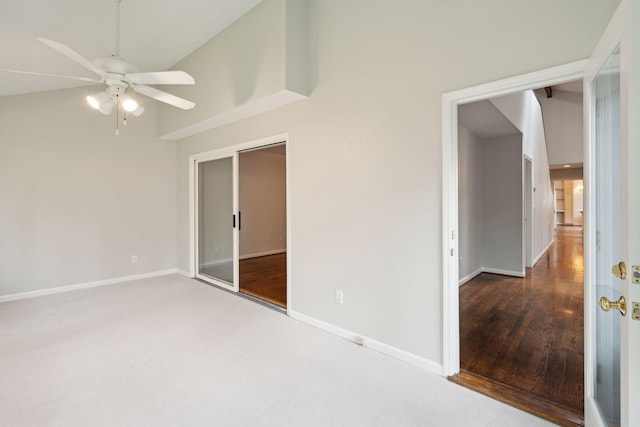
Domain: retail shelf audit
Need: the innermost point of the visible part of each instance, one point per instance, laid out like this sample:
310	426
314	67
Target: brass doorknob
619	270
607	305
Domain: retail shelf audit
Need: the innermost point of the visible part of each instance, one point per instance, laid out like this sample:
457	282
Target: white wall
489	204
77	201
470	206
259	62
365	161
523	110
502	220
563	126
365	147
263	202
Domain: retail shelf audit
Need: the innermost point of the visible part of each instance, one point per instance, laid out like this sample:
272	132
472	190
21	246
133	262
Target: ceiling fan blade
84	79
161	96
66	51
160	78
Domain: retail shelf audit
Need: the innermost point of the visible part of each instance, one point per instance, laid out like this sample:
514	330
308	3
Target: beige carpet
171	351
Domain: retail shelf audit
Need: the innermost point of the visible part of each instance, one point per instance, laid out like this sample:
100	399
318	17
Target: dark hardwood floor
265	278
527	334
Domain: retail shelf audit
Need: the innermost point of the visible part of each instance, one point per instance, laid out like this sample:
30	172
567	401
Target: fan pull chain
117	111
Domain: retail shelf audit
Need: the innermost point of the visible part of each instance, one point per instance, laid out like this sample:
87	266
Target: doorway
239	220
531	227
610	366
521	326
569	205
263	223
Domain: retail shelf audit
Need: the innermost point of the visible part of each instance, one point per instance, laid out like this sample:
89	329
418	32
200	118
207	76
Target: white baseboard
259	254
490	270
468	277
541	254
184	273
41	292
503	272
381	347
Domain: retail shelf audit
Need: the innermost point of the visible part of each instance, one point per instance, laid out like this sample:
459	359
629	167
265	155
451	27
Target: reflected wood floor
266	278
262	277
527	333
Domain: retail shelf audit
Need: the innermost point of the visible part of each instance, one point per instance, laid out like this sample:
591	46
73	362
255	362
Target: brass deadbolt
619	270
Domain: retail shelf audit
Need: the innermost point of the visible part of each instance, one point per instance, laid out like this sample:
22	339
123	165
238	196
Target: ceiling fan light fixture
129	105
93	102
96	101
138	111
119	76
106	107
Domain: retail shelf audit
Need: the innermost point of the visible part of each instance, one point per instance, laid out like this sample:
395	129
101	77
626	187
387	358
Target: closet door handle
234	221
239	220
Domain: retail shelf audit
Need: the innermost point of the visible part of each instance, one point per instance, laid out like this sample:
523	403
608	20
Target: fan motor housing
115	65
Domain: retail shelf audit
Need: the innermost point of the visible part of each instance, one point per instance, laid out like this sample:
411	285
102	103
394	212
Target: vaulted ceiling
485	120
154	35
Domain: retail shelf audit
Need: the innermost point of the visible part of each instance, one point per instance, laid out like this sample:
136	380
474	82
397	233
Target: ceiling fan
119	76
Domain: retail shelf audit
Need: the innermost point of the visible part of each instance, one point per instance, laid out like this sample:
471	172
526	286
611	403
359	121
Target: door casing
450	101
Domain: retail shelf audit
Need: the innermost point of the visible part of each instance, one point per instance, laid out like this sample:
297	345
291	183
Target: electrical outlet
134	259
339	297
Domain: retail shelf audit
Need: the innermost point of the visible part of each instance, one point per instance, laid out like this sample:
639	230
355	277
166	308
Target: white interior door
217	221
611	373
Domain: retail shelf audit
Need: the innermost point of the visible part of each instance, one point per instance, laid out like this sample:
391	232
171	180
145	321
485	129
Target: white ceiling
154	35
485	120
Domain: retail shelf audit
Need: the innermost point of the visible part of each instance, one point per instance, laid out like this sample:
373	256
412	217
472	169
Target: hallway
528	333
